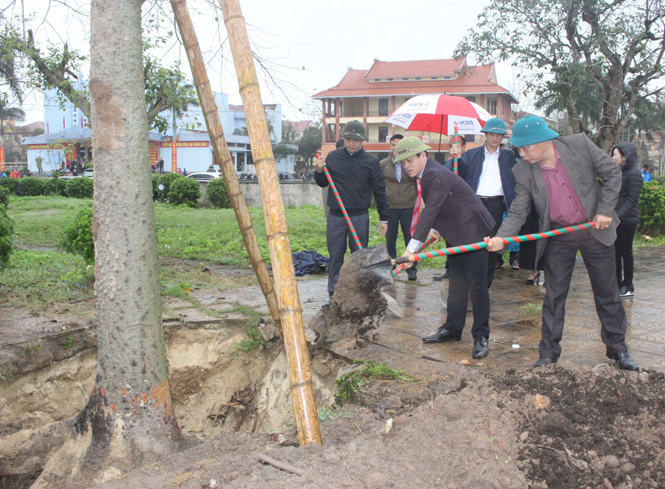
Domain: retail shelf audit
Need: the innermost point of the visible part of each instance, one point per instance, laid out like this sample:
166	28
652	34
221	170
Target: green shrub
167	179
10	184
4	197
216	191
155	187
80	188
56	187
6	237
77	237
31	186
184	191
652	207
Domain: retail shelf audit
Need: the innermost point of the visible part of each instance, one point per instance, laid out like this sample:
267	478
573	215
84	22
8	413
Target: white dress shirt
489	184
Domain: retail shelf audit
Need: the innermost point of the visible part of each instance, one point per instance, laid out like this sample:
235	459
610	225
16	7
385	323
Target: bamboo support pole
300	374
223	155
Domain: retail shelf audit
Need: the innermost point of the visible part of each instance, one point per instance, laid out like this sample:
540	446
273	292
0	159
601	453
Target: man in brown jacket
401	194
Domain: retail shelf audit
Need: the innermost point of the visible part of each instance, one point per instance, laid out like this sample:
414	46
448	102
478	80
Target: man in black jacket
628	212
356	174
452	210
488	169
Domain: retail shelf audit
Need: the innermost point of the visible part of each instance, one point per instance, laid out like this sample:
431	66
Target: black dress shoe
439	278
542	361
480	348
625	361
442	335
412	274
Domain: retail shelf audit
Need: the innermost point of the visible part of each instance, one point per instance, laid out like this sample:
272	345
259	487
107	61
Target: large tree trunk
129	420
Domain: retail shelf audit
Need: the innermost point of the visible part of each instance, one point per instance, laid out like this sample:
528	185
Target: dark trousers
337	235
496	208
559	260
399	218
468	273
623	248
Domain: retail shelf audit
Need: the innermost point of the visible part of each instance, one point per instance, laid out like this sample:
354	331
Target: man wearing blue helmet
560	175
488	169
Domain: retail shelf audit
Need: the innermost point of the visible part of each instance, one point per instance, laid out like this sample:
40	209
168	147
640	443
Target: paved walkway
515	328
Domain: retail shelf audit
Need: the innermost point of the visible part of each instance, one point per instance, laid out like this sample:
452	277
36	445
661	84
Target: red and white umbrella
441	114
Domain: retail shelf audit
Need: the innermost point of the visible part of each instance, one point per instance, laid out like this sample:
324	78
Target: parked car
204	176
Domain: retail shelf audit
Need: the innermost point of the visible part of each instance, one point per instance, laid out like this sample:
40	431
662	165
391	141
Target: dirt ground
558	427
458	424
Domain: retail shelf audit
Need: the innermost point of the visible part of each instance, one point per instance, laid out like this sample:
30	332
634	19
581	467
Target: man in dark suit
560	175
452	210
488	169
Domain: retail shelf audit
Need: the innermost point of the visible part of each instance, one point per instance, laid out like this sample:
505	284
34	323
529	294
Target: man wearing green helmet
560	175
452	210
488	169
357	175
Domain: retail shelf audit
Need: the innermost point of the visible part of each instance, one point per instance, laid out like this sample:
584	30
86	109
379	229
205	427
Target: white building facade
67	137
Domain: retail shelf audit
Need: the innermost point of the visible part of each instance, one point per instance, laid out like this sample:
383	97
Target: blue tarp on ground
309	261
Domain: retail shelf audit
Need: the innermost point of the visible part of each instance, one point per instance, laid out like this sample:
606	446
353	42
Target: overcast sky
308	44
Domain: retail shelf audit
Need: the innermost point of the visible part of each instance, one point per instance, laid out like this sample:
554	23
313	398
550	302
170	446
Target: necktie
416	209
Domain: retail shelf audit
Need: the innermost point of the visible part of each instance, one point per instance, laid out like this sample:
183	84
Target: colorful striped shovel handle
456	157
424	245
341	206
478	246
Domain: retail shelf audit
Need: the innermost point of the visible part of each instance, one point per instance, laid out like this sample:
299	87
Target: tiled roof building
372	95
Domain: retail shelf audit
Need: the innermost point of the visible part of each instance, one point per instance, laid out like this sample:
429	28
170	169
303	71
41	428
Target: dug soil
562	426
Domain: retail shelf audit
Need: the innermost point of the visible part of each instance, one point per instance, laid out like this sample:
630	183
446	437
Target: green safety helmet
354	130
531	130
495	125
408	147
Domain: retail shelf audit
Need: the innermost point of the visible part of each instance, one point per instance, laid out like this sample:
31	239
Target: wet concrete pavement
513	322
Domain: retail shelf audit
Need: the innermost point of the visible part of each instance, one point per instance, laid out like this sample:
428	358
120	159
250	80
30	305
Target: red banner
174	158
187	144
154	153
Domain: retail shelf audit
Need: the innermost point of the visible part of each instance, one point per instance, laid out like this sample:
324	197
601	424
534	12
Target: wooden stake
300	374
223	155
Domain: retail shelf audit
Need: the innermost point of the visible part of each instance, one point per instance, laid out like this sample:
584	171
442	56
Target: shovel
384	267
360	259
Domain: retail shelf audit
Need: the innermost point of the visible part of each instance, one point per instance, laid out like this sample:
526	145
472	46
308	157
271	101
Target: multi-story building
372	95
68	137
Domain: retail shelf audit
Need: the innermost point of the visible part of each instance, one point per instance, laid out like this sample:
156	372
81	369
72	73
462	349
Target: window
491	106
377	79
405	79
470	138
383	133
471	99
389	79
418	78
383	106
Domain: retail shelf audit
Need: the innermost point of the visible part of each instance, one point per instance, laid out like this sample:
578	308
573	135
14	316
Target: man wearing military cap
488	169
454	211
560	175
357	175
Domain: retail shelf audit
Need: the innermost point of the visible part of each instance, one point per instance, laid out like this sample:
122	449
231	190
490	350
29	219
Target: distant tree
7	114
59	65
288	133
582	54
310	142
241	131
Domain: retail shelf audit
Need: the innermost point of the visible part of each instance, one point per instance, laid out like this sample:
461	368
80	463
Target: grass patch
348	385
254	339
536	309
327	413
193	234
39	221
29	350
34	276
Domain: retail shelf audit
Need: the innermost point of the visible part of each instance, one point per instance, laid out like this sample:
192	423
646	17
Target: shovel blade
362	267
